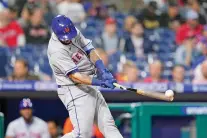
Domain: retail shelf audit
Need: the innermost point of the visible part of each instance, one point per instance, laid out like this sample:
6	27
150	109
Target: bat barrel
156	95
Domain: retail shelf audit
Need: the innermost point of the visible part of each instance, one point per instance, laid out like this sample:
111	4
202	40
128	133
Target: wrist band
96	82
99	65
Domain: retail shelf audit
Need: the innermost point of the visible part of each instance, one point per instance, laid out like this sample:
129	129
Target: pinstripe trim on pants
75	113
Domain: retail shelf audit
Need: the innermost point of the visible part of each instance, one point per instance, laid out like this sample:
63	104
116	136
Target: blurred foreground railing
153	120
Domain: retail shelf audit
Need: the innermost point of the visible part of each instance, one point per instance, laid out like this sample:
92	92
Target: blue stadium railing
31	86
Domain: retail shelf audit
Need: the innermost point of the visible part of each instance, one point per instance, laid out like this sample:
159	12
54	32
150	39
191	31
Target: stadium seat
44	66
39	52
188	75
166	74
24	50
114	59
90	32
164	40
141	63
120	23
166	34
164	47
131	56
166	56
91	22
119	15
149	32
3	60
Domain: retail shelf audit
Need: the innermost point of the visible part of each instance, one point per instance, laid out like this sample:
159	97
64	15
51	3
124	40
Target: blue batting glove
109	83
104	83
105	75
102	72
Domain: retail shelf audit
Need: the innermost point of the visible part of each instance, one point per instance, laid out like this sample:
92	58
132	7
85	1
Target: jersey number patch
77	57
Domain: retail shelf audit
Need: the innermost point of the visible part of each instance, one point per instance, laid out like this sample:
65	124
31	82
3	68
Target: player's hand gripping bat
156	95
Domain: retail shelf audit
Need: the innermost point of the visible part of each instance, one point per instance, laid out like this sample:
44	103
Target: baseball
169	93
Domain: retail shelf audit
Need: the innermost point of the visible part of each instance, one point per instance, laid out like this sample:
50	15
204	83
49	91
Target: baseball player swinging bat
168	96
78	70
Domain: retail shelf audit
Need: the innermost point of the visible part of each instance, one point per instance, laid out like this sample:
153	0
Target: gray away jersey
66	59
19	129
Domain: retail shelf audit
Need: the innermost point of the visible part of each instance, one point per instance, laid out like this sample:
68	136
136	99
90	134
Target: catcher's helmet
63	27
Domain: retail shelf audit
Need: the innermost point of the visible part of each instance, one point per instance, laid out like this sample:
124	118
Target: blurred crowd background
138	40
158	40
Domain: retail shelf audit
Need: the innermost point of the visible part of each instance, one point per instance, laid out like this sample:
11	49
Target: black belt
60	86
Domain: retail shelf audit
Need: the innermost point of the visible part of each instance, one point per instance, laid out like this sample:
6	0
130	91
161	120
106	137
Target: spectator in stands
161	3
128	23
194	5
187	53
26	12
20	5
181	2
24	17
13	13
27	126
197	64
48	9
72	9
53	129
11	33
171	19
201	78
112	9
149	17
191	25
21	72
178	74
129	73
109	40
98	9
37	32
137	43
202	46
155	72
132	6
204	33
68	127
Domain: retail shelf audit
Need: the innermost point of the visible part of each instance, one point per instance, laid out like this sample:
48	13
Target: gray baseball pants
86	105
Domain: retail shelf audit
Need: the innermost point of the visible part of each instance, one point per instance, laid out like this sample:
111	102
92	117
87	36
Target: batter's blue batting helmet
64	28
25	104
